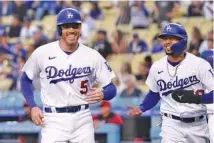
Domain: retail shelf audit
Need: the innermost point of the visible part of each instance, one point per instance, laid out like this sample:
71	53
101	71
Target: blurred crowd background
124	32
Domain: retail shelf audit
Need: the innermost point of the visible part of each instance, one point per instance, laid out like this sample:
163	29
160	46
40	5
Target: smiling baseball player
181	123
67	71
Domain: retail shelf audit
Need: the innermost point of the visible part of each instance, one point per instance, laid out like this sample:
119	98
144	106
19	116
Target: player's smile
168	42
71	32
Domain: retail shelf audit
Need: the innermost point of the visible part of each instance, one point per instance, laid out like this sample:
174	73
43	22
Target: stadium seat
12	100
6	20
144	88
5	84
157	56
154	134
49	25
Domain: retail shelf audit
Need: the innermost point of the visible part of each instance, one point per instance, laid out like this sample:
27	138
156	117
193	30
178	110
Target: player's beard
71	40
178	54
168	53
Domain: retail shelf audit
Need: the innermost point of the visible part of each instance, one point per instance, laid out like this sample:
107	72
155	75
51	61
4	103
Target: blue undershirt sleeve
207	98
109	91
27	90
151	99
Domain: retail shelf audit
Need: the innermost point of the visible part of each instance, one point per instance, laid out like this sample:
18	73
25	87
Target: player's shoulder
46	47
88	50
160	62
190	58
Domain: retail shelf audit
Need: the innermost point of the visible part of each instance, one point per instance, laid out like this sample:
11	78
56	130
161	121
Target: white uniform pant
175	131
211	127
68	127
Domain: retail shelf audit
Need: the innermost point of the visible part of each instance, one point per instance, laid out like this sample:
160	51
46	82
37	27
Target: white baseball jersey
210	107
65	79
193	73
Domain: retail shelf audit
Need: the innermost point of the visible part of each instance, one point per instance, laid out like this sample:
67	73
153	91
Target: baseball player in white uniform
67	71
181	123
200	97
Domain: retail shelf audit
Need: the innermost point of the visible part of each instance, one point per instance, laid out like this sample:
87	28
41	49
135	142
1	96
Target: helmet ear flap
59	30
180	46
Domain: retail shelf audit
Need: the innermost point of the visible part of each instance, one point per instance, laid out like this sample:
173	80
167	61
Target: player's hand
37	116
94	95
186	96
134	111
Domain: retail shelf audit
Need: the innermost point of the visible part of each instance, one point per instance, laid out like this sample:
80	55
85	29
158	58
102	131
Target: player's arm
109	91
151	99
30	71
27	90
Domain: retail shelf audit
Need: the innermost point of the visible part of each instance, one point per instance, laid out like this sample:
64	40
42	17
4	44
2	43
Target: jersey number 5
84	87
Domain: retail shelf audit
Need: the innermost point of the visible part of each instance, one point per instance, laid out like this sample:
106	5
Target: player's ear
59	30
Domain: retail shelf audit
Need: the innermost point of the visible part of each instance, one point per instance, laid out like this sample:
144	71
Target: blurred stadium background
124	32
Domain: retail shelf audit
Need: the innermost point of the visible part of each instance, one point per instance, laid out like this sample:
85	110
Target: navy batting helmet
178	31
208	55
68	15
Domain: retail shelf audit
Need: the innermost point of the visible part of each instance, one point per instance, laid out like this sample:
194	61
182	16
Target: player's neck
176	58
67	48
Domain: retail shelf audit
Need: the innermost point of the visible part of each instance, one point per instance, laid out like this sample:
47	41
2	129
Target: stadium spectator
124	16
96	11
195	9
137	45
5	73
6	8
18	50
208	43
20	9
39	38
75	4
142	74
102	44
119	44
59	6
88	25
28	29
87	19
156	45
139	15
106	115
44	7
131	89
125	71
20	64
196	41
208	10
164	11
15	27
5	46
148	61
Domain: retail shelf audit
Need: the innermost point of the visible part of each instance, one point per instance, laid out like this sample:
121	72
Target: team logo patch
168	28
70	15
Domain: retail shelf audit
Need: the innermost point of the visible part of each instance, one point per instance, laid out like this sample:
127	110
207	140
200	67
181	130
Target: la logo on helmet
168	28
70	15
